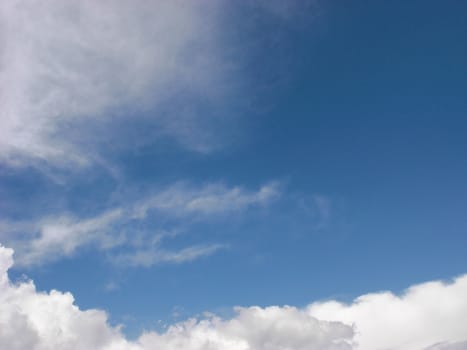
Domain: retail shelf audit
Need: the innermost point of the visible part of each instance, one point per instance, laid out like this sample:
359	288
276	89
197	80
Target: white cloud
254	328
70	70
46	321
54	237
428	316
449	346
424	315
182	199
40	321
155	255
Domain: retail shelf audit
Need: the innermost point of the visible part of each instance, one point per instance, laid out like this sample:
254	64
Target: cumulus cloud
44	321
254	328
70	70
424	315
58	236
427	316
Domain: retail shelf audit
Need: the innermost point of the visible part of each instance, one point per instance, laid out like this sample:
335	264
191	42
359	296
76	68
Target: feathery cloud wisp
70	70
58	236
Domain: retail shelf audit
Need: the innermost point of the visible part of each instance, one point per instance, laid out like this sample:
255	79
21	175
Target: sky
248	175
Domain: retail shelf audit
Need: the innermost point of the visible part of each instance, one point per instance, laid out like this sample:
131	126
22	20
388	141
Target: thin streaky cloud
155	255
183	199
56	236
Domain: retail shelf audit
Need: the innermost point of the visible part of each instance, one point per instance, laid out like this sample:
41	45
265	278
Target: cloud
43	321
449	346
57	236
72	73
428	316
54	237
182	199
254	328
154	255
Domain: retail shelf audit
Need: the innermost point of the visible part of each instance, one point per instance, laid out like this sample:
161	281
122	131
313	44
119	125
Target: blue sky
197	157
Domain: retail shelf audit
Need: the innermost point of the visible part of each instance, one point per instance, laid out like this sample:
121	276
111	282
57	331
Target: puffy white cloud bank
428	316
41	321
425	314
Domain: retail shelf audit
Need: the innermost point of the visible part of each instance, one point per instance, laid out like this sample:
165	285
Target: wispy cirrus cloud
154	255
72	73
183	199
57	236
